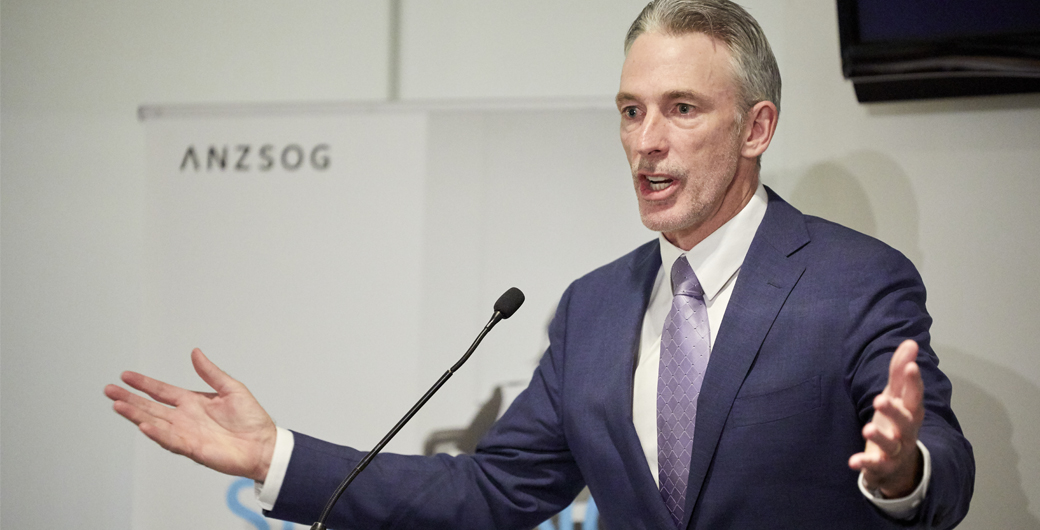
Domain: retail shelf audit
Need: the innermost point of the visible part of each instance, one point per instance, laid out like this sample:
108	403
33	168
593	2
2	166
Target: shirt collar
717	258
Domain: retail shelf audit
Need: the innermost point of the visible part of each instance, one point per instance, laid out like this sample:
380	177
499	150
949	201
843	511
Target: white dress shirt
716	260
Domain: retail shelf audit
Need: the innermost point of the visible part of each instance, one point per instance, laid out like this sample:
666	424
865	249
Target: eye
630	112
684	108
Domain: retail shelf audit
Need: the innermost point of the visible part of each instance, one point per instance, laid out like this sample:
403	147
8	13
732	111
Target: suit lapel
764	282
635	296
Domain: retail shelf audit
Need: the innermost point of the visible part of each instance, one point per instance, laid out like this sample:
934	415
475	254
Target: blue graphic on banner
254	518
591	516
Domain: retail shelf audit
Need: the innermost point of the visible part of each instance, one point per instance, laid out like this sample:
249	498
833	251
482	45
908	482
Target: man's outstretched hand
892	461
227	430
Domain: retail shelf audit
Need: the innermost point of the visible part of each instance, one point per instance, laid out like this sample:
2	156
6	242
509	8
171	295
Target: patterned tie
685	348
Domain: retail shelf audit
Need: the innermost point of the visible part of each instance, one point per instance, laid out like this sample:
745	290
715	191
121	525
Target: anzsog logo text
250	157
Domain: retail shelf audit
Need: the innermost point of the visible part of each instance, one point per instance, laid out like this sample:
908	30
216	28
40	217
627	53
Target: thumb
210	373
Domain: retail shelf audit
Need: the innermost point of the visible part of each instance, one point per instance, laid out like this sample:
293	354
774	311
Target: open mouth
658	183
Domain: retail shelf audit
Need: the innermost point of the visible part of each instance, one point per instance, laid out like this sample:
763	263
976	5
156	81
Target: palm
226	430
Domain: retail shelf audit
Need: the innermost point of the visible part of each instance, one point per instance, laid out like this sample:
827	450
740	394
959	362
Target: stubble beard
703	193
696	203
677	214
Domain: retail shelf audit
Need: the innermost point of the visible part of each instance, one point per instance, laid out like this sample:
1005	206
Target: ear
759	128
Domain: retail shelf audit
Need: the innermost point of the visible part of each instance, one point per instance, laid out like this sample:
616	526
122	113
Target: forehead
659	63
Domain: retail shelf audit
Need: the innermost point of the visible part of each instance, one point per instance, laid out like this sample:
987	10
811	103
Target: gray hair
754	66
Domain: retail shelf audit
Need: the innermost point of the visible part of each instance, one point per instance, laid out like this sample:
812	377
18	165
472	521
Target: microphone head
509	302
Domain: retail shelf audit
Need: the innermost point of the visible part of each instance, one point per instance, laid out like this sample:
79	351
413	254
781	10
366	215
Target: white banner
339	260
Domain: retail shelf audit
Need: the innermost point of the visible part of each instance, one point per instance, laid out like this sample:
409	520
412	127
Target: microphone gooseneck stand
506	305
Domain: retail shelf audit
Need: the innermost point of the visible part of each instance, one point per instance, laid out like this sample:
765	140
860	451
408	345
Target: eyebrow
671	95
623	96
686	94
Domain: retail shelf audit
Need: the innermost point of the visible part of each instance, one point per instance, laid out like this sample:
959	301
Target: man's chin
663	222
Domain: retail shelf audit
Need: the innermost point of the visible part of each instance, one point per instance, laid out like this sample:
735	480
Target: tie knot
684	281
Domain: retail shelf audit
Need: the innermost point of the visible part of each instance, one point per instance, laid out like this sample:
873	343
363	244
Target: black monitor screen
931	20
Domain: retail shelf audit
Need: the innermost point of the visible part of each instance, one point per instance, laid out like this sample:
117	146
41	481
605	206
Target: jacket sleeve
521	474
883	317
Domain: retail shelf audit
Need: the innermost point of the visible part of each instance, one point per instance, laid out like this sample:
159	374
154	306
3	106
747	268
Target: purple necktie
685	347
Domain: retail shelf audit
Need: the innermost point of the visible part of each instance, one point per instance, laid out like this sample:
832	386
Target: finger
164	435
856	461
872	465
913	391
116	392
210	373
900	416
897	419
148	406
881	418
867	460
136	415
904	354
157	390
889	444
892	414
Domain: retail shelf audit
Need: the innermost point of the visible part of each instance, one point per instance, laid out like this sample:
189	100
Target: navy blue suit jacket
816	312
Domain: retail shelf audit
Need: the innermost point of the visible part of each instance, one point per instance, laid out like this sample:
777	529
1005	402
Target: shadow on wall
865	191
999	501
869	192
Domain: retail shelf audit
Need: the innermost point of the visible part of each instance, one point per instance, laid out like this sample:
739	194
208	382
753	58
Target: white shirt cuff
267	491
905	507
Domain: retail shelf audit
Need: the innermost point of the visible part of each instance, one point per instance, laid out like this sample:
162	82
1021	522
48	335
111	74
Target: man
817	338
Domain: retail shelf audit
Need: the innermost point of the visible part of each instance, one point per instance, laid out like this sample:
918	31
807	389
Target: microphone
509	302
505	306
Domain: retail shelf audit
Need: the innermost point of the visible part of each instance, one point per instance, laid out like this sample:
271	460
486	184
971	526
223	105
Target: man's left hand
891	461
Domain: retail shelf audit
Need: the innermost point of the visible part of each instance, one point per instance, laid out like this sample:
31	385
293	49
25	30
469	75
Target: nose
652	138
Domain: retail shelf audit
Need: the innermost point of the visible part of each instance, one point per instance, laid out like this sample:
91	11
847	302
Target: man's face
678	104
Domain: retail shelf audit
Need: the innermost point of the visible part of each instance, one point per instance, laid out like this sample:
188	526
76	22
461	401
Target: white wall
73	75
951	183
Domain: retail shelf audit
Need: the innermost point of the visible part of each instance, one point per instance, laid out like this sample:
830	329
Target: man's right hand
227	430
